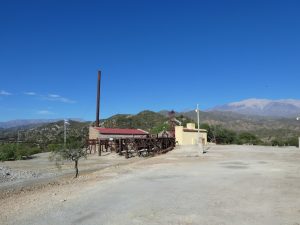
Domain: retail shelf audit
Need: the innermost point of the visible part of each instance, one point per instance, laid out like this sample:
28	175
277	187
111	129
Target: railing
130	147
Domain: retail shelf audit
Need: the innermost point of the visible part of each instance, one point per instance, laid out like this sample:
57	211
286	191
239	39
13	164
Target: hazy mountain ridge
263	126
263	107
240	122
29	122
45	133
18	123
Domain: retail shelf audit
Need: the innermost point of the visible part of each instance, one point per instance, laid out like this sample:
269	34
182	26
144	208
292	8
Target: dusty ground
228	185
24	174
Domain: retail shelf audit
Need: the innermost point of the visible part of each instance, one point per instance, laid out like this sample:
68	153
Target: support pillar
99	148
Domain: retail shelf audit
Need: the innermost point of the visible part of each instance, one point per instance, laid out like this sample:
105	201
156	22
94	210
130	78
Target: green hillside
230	127
45	133
146	120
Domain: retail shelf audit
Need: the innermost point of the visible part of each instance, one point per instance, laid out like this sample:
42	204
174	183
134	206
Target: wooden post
106	145
121	149
99	148
126	154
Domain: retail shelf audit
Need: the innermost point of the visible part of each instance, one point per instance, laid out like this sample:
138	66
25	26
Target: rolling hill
266	128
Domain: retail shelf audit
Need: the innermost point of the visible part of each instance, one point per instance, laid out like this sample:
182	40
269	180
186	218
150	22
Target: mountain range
263	107
266	128
284	108
29	123
264	118
20	123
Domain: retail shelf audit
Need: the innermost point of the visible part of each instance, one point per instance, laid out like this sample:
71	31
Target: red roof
120	131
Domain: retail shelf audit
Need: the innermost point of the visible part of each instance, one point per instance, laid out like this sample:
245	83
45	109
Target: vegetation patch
17	151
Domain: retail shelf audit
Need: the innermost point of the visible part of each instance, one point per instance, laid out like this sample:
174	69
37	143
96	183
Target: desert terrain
228	185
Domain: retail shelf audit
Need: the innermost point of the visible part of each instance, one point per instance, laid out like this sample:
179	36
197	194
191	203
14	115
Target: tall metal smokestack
98	100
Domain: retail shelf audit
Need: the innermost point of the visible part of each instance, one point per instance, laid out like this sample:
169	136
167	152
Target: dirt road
228	185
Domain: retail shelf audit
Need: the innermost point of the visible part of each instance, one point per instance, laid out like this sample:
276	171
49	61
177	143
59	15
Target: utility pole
66	122
298	118
18	138
198	121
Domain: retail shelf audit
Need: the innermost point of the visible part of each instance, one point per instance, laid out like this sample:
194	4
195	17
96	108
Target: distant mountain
29	122
263	107
266	128
20	123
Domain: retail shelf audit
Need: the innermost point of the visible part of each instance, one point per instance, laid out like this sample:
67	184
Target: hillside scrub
17	151
220	135
285	142
45	134
248	138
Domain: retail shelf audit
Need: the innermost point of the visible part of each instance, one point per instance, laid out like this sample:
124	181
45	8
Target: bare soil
227	185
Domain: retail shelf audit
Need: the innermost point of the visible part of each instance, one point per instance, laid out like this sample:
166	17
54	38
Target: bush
17	152
293	141
220	135
248	138
7	152
225	136
277	142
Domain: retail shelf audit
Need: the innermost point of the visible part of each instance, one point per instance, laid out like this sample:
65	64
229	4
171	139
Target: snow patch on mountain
263	107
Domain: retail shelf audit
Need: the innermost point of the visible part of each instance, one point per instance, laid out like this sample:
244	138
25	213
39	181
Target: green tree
8	152
277	142
293	141
211	136
159	128
248	138
225	136
12	151
74	150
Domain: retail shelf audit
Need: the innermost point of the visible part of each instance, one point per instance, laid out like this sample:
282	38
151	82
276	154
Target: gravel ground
23	174
240	185
7	174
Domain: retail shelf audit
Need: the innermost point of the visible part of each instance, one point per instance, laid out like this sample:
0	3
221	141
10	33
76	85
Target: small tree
74	150
248	138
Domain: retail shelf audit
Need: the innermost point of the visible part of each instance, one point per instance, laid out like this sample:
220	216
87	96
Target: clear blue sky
155	55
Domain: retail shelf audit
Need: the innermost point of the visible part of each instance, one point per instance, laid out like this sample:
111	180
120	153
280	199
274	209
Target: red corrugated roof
120	131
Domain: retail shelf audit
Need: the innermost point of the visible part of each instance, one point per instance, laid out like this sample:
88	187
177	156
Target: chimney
98	100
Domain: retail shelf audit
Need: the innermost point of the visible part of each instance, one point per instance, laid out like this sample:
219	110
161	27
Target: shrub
7	152
248	138
17	152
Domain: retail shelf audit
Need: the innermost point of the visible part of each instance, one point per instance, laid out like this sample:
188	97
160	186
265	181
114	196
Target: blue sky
155	55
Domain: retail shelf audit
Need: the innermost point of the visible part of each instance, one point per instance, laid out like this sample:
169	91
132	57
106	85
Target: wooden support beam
99	148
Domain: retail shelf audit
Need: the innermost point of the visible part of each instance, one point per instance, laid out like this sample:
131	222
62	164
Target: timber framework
126	142
130	147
